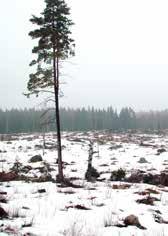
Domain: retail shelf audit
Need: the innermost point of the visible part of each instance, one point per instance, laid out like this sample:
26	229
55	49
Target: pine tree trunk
57	116
60	167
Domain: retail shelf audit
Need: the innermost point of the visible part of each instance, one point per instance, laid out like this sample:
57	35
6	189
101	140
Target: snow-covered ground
45	208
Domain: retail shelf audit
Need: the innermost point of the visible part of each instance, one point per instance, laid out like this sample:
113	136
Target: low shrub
118	175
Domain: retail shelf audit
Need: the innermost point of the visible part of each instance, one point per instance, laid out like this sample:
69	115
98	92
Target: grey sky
121	53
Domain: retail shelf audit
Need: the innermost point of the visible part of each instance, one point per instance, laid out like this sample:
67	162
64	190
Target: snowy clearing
36	205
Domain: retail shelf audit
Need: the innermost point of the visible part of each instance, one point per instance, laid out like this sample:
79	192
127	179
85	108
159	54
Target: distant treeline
31	120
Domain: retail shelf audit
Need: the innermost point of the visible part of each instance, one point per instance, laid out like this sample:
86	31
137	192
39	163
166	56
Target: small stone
142	160
41	190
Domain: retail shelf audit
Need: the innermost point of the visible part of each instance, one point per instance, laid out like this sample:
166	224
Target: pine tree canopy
54	41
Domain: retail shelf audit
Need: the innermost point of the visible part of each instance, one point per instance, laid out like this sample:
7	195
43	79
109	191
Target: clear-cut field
98	207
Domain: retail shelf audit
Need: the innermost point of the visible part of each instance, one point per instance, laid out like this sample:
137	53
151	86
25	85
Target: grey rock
36	158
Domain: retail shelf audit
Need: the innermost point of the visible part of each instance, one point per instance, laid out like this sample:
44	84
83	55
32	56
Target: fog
121	54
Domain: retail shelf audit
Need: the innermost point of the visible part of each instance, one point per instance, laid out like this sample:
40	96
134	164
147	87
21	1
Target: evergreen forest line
32	120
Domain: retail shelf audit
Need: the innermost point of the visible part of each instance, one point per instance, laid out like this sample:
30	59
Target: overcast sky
121	54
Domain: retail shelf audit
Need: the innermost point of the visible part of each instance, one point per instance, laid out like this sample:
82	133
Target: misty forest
31	120
83	170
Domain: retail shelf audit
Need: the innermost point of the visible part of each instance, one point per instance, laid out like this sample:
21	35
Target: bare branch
45	112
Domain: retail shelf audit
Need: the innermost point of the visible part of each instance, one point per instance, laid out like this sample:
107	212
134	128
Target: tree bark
57	116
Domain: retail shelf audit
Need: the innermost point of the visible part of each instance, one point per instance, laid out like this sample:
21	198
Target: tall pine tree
54	45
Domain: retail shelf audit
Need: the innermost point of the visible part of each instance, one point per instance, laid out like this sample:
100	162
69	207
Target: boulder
134	221
160	150
131	220
36	158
